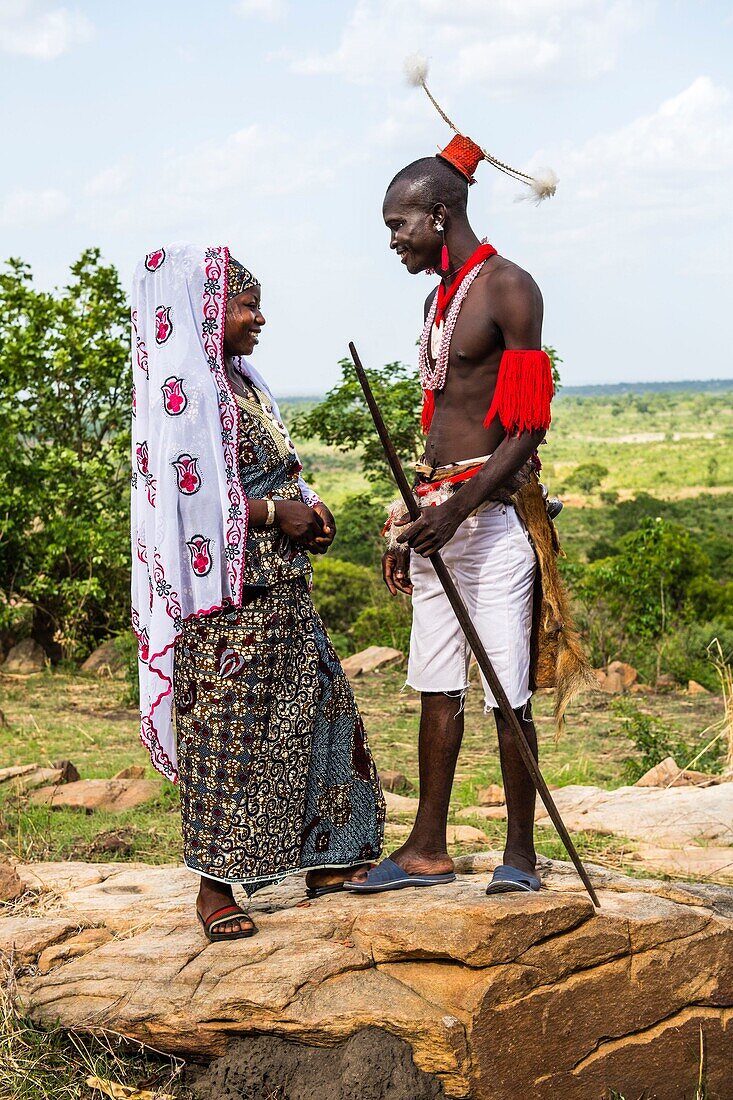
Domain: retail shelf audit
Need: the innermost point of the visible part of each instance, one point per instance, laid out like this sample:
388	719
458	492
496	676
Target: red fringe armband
524	390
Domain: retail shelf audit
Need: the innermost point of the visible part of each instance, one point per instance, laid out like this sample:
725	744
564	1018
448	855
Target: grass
57	715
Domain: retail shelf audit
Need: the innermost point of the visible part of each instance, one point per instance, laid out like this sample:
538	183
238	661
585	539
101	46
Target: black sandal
321	891
223	916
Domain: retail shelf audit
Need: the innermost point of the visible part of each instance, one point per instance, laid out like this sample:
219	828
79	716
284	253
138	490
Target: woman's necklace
240	382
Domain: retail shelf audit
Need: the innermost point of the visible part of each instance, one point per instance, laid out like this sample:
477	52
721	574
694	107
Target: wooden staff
472	637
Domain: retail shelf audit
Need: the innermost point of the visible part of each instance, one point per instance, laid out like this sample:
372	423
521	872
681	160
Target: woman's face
243	323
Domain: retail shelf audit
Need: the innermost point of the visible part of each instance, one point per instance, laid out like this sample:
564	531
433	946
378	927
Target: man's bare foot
421	861
334	876
215	895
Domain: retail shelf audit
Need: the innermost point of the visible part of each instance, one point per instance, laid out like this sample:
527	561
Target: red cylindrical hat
464	155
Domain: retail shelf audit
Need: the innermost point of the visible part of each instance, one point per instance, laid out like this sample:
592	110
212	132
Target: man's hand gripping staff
390	573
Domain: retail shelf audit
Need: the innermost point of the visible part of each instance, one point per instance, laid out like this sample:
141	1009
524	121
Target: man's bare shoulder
502	279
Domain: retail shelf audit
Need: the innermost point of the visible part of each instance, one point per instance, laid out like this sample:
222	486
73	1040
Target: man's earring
444	257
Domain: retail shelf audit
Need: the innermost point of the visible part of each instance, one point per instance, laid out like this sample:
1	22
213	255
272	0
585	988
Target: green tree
554	360
637	597
343	420
587	477
358	535
64	404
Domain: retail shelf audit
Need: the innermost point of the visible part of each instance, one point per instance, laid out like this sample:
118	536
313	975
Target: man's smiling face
412	229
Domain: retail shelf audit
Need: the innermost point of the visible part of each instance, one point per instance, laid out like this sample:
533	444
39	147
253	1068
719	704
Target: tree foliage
64	405
586	477
343	420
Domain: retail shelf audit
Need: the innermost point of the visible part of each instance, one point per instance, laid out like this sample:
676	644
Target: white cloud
110	181
677	158
503	45
629	192
216	181
270	10
29	209
34	28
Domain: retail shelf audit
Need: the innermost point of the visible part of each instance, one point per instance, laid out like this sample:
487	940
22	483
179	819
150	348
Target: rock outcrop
370	659
616	677
115	795
516	996
26	657
673	815
107	660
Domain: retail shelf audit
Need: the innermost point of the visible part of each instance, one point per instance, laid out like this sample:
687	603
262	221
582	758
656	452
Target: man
487	388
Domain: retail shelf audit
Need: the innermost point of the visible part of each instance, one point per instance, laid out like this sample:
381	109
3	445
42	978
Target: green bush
651	740
586	477
126	645
340	591
64	433
359	521
387	623
686	656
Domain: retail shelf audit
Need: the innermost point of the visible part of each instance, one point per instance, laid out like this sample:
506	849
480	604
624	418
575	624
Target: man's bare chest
475	338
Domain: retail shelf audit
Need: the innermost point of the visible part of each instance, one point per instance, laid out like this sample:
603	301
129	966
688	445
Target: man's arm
517	308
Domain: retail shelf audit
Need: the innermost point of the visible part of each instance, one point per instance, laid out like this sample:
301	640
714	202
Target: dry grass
725	677
56	1064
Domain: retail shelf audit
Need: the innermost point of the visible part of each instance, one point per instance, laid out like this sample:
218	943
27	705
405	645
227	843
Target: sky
274	126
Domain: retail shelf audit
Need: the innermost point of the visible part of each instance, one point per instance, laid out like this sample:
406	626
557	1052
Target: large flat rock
518	995
672	816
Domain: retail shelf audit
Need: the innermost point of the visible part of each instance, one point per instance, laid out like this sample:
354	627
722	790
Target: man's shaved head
432	180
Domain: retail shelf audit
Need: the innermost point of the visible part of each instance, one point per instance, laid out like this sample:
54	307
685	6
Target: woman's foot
335	876
217	895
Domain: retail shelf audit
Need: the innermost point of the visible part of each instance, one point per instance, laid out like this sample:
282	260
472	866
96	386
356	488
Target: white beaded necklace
433	378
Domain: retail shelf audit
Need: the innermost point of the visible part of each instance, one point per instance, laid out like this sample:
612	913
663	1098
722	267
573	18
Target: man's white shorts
493	566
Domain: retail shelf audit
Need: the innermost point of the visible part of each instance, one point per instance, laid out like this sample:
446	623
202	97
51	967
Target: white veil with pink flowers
188	511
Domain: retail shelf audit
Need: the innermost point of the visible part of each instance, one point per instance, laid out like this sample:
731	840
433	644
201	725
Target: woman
271	755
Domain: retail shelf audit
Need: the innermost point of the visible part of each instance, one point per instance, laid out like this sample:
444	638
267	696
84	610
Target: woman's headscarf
189	515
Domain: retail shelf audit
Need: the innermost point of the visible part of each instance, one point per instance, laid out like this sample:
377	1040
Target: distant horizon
572	391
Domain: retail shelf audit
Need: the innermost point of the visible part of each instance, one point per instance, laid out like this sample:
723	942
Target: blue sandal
388	875
508	880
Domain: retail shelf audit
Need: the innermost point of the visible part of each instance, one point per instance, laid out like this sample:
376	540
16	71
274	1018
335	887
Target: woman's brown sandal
226	915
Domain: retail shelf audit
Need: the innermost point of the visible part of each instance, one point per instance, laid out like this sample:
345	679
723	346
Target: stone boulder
371	659
514	996
25	657
488	813
493	795
106	660
692	861
114	795
668	774
394	781
16	770
616	677
399	804
671	815
132	771
10	885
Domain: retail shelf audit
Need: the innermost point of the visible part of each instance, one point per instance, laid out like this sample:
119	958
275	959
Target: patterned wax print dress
275	769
